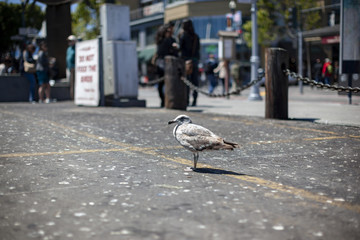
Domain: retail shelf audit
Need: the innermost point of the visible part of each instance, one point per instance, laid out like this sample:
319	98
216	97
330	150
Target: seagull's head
180	120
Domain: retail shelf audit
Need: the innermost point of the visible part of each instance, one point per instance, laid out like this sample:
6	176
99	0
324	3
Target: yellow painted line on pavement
298	192
249	122
144	149
303	129
140	149
24	154
10	155
45	190
298	140
325	138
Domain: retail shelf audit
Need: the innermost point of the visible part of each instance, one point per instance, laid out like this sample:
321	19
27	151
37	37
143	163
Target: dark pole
276	83
175	88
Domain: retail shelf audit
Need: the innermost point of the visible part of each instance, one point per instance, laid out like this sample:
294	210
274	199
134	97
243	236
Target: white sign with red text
87	90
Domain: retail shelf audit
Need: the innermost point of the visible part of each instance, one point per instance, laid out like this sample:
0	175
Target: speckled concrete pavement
72	172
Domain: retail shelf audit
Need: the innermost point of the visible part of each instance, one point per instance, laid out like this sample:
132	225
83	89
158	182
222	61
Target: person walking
166	46
70	63
317	70
336	72
327	71
210	65
235	75
221	71
28	68
42	73
190	53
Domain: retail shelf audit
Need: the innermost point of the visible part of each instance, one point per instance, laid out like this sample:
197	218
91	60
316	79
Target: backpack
209	67
329	69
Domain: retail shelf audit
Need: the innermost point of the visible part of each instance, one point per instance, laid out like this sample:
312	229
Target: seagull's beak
171	122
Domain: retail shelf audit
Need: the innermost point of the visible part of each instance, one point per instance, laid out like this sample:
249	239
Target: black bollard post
175	88
276	83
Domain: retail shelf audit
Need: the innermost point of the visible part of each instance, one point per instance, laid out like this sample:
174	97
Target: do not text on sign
87	90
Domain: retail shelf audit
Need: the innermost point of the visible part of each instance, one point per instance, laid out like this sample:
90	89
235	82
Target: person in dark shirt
190	50
42	72
166	46
317	70
210	65
27	56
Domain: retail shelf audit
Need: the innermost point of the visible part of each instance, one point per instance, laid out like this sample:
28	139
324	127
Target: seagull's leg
196	158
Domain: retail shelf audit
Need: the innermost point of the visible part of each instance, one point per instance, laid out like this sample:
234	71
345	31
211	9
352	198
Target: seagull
196	138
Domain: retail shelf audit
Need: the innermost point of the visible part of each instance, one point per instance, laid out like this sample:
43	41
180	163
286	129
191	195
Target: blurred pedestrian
190	53
42	73
28	68
235	74
70	63
317	70
166	46
210	65
221	71
327	71
7	67
336	72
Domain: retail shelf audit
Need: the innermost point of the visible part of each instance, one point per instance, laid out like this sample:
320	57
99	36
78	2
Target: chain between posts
287	73
159	80
321	85
234	92
193	87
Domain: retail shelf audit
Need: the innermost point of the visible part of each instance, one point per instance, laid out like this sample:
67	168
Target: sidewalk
317	105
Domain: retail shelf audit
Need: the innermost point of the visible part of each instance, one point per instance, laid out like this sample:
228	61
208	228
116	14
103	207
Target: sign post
227	52
87	74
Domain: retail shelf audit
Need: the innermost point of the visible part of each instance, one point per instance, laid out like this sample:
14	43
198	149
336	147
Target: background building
208	16
323	42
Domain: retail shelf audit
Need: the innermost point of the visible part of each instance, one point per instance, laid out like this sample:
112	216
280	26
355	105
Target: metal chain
321	85
159	80
287	73
234	92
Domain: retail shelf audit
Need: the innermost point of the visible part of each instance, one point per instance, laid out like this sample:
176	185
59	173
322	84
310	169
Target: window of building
208	27
150	34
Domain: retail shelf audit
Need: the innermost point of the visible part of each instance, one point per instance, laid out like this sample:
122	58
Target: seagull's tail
230	145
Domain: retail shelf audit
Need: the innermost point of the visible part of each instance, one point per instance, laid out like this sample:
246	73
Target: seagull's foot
189	169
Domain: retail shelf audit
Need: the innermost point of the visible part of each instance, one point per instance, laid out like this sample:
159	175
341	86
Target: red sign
330	40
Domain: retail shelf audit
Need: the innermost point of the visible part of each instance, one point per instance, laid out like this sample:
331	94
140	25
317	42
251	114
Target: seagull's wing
198	138
195	130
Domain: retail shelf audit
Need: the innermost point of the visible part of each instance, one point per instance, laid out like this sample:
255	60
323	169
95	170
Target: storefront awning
146	54
322	32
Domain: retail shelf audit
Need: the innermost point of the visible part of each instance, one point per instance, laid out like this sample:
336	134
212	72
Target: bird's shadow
217	171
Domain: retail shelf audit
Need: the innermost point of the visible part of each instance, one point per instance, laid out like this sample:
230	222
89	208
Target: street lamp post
232	6
230	17
254	59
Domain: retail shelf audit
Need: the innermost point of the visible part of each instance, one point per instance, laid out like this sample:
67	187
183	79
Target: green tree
265	24
86	19
11	21
273	18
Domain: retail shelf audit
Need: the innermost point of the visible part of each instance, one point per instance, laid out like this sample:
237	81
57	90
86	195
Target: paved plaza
71	172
